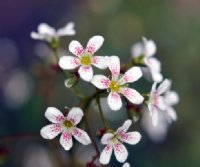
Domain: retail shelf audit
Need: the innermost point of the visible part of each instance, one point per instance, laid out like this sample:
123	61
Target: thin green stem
75	90
101	113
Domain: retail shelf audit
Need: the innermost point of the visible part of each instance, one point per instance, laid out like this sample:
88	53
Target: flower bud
100	132
70	82
90	164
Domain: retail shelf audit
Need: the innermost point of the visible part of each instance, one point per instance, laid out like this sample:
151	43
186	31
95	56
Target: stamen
86	59
114	86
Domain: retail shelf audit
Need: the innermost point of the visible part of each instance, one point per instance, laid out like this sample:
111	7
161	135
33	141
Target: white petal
131	138
153	63
124	127
100	81
106	138
81	136
68	62
121	152
44	28
153	113
126	165
75	115
132	95
35	35
164	86
114	101
154	117
94	44
68	29
132	75
100	62
86	73
156	76
137	49
76	48
150	47
160	103
54	115
172	114
171	97
153	88
66	140
106	155
50	131
114	66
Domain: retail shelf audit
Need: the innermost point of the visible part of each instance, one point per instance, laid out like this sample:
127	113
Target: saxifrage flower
48	33
66	126
146	50
118	84
85	58
113	141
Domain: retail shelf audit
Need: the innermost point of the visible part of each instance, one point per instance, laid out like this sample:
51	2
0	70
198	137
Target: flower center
67	124
114	140
114	86
86	59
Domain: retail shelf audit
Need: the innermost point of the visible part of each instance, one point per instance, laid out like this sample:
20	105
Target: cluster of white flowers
115	83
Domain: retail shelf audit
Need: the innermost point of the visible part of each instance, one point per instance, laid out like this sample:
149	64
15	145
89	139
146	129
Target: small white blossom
126	165
147	49
66	126
84	58
48	33
162	99
113	141
119	84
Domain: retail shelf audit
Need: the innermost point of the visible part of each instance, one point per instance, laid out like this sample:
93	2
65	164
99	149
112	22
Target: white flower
47	33
147	49
119	84
84	58
66	126
162	99
115	140
126	165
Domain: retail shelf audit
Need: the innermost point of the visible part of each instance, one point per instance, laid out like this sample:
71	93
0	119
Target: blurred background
28	84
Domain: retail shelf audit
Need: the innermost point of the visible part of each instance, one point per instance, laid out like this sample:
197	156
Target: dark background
27	86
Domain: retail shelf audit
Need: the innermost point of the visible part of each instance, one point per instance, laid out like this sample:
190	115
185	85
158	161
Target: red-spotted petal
100	81
50	131
124	127
121	152
68	62
81	136
131	137
132	75
100	62
114	66
76	48
75	115
164	86
86	73
54	115
132	95
94	44
106	138
106	155
114	101
66	140
160	103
